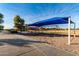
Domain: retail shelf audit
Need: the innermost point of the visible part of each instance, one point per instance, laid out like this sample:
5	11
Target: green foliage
19	23
1	21
17	19
1	27
1	17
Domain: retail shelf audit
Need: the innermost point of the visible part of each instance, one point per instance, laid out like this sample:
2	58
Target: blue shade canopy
55	20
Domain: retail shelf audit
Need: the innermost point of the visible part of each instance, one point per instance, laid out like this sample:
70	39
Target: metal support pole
74	31
69	31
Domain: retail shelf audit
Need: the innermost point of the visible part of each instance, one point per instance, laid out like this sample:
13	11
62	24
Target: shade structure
55	20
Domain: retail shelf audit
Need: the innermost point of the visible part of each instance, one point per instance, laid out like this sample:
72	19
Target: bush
1	27
13	31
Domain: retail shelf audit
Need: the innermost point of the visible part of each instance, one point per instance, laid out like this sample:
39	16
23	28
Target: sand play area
60	41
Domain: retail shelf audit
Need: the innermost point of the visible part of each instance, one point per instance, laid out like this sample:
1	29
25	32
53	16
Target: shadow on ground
44	34
74	43
17	42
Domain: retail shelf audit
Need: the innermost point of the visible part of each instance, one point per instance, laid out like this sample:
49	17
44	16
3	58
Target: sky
33	12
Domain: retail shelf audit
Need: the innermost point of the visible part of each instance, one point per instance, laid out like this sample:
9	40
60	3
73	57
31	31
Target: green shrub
12	30
1	27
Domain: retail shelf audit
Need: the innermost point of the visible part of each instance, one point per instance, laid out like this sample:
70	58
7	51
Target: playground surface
22	45
58	39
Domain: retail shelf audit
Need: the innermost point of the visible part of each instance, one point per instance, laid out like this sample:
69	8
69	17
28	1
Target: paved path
19	45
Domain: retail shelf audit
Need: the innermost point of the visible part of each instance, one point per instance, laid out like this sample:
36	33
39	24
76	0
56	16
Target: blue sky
35	12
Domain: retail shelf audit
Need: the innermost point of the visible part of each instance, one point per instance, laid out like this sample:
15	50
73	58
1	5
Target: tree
19	23
1	21
1	17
